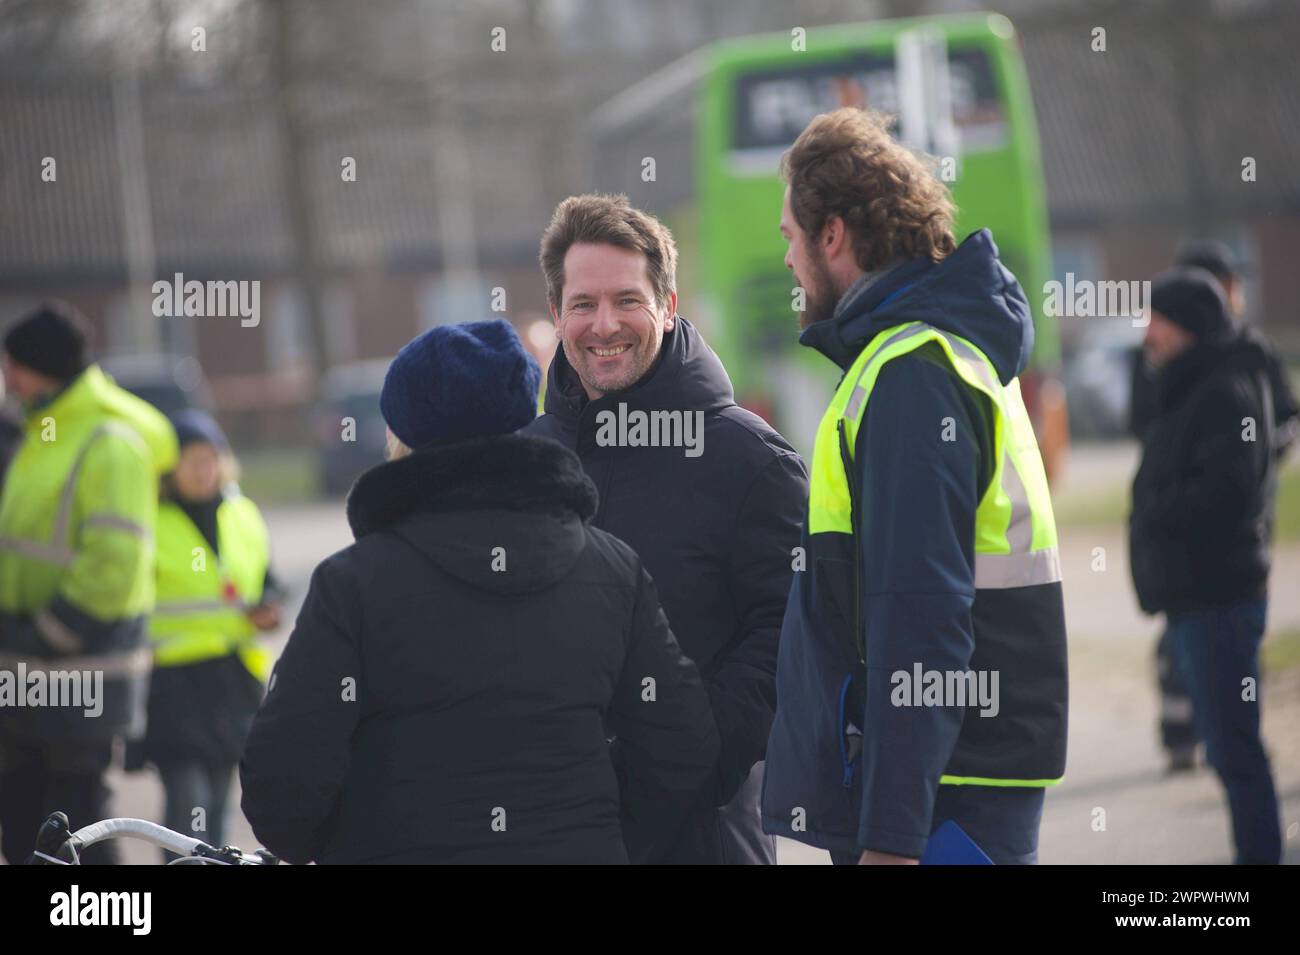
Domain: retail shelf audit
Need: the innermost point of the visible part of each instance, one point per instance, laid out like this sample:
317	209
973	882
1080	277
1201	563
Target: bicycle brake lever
54	842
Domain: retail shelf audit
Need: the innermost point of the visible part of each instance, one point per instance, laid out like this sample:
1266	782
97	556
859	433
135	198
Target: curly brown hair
608	220
846	164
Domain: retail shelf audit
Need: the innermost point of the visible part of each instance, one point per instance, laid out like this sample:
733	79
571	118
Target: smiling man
714	515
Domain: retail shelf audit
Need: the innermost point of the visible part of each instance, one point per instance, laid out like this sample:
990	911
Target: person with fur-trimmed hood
452	680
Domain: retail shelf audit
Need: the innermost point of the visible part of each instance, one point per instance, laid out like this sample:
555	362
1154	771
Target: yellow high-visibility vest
1017	616
79	502
203	597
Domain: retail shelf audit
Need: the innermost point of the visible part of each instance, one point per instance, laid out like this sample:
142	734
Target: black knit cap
1193	299
52	340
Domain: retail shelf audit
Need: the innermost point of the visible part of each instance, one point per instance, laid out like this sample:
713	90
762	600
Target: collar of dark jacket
1203	361
511	472
842	337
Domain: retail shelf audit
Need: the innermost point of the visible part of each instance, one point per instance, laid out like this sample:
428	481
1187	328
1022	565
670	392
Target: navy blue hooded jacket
916	533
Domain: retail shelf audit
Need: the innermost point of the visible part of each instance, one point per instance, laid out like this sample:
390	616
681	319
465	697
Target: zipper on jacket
589	458
843	737
859	642
602	492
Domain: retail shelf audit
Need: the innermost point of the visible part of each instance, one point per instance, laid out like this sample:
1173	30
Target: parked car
170	383
349	408
1098	375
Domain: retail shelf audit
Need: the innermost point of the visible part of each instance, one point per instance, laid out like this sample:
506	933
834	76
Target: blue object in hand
949	845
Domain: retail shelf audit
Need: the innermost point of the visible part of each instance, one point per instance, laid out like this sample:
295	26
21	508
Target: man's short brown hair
846	164
608	220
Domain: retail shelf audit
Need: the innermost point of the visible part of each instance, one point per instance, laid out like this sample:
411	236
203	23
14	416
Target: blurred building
460	152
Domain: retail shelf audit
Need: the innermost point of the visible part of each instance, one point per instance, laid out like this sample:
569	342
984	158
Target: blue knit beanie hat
456	382
193	424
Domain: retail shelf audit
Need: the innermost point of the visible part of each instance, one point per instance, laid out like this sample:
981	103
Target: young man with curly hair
921	677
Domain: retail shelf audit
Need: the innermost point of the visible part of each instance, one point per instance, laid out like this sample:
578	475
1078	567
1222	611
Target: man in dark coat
1177	734
707	493
1201	528
1215	258
446	691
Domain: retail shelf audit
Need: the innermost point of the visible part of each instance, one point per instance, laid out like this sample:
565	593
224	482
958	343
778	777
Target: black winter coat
1202	519
717	533
445	691
1143	395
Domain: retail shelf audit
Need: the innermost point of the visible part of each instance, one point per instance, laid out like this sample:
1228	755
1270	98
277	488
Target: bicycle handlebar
160	836
55	845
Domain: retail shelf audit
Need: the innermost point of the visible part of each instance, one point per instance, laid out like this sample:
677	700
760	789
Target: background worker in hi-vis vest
76	577
215	593
922	670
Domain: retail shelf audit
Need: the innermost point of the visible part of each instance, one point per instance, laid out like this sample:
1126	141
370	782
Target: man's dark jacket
917	499
1202	519
1144	394
717	534
445	693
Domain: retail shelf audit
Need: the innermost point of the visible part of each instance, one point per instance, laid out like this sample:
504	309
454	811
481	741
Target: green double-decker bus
699	143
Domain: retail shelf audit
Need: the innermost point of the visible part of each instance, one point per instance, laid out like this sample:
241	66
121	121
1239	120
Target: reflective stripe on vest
194	618
116	665
1015	530
58	549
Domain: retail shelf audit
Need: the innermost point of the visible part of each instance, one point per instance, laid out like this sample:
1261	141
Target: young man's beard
820	297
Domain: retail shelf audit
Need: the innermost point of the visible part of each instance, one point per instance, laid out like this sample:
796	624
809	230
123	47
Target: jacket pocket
836	603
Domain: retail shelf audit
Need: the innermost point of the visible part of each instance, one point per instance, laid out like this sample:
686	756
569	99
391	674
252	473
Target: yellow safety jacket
203	597
1017	616
77	527
79	501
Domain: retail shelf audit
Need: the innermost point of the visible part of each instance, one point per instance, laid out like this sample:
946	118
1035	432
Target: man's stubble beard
642	366
820	296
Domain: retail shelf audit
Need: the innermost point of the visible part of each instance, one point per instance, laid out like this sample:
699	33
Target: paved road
1115	765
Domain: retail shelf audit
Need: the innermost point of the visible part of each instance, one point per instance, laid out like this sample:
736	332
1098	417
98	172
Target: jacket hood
687	376
456	504
94	393
970	293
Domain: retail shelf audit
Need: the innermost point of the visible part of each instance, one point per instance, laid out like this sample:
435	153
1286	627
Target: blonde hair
394	448
228	466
